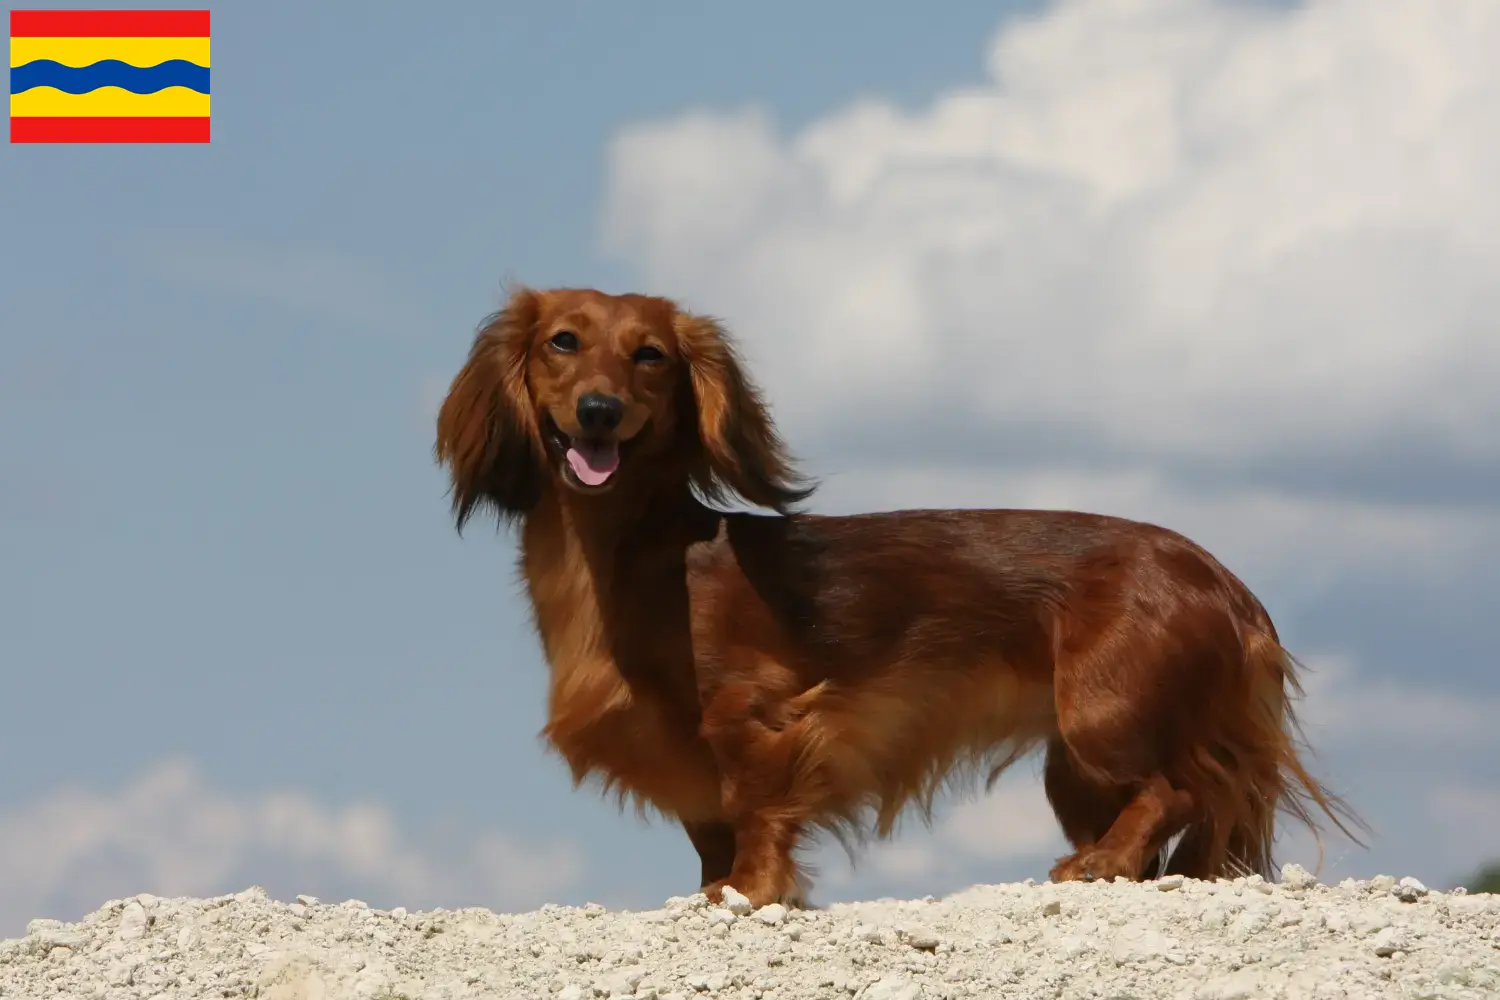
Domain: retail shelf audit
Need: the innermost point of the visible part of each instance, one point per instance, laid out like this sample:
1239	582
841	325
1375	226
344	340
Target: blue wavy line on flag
109	73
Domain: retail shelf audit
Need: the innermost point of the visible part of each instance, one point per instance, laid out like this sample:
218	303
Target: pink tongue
594	462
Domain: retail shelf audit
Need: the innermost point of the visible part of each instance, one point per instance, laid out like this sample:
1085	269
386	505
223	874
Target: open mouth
590	462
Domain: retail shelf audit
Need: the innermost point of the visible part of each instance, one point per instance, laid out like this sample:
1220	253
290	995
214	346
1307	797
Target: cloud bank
171	833
1224	245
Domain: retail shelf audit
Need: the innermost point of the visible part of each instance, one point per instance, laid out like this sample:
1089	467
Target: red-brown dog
755	677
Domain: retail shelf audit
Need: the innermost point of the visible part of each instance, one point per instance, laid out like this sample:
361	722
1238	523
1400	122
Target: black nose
598	413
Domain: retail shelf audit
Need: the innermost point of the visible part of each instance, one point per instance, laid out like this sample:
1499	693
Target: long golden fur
755	677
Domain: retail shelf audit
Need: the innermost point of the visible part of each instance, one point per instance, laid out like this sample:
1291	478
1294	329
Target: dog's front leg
765	801
714	843
764	870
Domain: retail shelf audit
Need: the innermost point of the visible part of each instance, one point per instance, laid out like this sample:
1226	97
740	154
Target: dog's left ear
741	449
487	433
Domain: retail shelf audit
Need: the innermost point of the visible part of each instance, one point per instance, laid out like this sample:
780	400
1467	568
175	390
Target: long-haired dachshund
756	677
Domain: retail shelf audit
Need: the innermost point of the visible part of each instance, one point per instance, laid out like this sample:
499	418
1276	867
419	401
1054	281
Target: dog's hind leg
1085	809
1193	856
1132	845
1110	769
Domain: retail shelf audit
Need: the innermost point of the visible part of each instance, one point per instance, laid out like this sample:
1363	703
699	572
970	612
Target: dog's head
577	390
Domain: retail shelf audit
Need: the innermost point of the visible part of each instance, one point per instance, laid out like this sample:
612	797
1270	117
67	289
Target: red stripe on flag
109	23
109	129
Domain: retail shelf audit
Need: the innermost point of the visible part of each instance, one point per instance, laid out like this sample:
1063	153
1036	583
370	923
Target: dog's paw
755	894
1091	865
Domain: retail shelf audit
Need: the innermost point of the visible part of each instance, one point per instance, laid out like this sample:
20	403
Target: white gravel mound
1240	940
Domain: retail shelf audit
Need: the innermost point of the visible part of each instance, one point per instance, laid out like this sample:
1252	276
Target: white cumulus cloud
1177	234
171	833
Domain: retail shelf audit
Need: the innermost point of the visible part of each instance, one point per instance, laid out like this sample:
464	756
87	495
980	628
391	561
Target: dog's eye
648	355
565	341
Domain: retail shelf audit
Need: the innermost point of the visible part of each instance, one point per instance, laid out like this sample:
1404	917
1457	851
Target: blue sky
236	607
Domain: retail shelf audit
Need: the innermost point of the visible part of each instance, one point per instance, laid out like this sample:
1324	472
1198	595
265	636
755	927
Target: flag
109	76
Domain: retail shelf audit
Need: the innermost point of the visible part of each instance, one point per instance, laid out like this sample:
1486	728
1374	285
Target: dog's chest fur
622	703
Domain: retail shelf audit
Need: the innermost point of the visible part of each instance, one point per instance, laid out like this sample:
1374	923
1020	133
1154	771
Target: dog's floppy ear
741	449
487	431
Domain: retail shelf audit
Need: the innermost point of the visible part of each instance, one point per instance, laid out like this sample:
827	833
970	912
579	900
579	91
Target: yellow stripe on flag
86	51
109	102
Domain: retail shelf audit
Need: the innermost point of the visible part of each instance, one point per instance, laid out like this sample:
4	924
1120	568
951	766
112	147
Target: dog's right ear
487	432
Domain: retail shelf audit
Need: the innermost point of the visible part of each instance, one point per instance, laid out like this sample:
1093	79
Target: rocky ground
1218	941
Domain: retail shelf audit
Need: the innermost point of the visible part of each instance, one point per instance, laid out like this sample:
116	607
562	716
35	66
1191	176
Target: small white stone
923	940
771	915
1389	941
132	922
1249	923
892	988
1169	882
1242	985
1071	947
735	902
621	984
1294	876
1409	890
48	934
307	900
